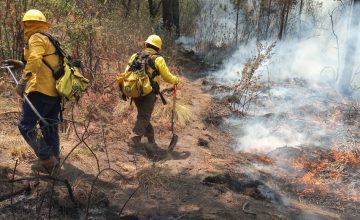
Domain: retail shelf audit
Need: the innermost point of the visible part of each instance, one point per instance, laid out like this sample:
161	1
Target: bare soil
202	179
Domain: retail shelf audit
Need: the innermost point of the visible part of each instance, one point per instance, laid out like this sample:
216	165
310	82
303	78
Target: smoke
350	49
301	73
216	23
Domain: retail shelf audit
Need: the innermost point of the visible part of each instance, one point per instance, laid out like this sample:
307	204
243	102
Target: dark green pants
145	106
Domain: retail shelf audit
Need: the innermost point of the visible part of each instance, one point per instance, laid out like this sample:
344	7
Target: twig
337	42
44	177
110	84
93	184
78	144
12	190
51	199
86	127
18	192
105	146
132	194
246	210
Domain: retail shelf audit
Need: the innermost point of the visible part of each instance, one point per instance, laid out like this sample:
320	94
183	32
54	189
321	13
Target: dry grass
13	144
162	113
82	151
183	113
8	104
125	109
154	176
11	140
22	152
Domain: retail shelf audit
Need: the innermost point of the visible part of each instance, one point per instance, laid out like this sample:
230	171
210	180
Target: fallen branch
15	193
132	194
43	177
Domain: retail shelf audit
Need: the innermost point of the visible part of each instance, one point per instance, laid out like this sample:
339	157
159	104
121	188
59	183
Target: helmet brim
148	42
45	22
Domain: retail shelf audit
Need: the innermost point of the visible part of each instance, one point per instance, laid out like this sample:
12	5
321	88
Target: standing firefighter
140	81
38	84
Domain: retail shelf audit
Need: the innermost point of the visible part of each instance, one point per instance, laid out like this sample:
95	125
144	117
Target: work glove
20	87
17	64
123	96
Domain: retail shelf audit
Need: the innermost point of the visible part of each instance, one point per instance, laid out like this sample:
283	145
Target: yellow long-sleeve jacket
161	66
38	75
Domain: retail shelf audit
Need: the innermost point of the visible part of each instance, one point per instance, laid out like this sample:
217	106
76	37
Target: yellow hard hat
34	15
154	40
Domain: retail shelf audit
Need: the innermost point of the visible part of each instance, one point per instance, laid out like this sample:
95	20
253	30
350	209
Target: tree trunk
300	13
176	16
153	8
351	42
286	17
168	17
237	22
127	5
282	21
268	22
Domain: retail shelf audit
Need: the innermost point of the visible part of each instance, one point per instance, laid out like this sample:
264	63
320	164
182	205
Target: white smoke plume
302	73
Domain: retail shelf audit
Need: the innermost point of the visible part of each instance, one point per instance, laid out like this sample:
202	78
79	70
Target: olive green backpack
70	83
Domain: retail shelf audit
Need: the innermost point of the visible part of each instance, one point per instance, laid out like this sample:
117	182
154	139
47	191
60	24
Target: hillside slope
202	179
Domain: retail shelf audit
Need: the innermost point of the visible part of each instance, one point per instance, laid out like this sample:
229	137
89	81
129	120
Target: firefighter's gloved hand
20	87
123	97
17	64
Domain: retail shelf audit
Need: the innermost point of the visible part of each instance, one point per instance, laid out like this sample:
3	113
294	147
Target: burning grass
334	171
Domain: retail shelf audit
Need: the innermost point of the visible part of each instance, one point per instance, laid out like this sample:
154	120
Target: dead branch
105	146
93	184
15	193
246	209
337	42
12	188
51	198
247	89
45	177
132	194
81	139
68	155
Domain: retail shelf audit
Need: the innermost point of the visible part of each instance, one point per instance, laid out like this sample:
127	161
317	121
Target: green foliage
100	33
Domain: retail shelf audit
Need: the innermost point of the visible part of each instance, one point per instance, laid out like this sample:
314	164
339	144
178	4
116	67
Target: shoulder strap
56	44
58	50
151	63
134	64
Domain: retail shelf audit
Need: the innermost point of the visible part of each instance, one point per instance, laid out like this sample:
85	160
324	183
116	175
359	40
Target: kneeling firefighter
154	65
38	84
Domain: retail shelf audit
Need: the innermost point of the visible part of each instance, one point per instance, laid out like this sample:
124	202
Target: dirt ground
202	179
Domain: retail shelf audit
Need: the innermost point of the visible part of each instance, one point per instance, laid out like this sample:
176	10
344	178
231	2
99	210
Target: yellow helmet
154	40
34	15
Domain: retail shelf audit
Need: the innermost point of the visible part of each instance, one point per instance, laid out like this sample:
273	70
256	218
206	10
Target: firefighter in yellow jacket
145	103
38	83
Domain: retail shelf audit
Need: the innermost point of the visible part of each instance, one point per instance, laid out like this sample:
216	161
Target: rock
202	142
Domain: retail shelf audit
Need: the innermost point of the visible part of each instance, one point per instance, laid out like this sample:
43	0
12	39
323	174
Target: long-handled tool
26	98
174	138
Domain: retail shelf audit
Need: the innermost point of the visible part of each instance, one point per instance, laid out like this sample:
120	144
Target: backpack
70	83
136	82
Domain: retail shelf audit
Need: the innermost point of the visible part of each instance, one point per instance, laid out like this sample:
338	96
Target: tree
154	8
352	39
283	18
171	15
